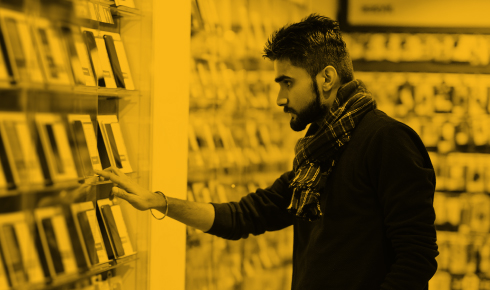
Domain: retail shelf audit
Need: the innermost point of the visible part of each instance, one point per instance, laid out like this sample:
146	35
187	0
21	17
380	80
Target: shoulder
377	126
390	140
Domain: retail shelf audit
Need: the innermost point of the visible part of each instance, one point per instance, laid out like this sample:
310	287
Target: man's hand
127	189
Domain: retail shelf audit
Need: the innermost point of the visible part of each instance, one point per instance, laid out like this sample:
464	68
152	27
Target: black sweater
377	229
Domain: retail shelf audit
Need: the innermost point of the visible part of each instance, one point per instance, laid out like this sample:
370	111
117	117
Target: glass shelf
419	66
55	284
122	11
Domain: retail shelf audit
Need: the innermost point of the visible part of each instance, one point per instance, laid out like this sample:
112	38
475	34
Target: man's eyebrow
281	78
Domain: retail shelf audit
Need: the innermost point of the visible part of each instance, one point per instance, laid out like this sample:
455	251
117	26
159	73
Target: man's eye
288	84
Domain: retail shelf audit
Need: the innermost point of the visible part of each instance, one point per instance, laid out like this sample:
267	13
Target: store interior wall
435	80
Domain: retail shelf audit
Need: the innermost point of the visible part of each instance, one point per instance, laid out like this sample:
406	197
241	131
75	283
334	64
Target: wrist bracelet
166	206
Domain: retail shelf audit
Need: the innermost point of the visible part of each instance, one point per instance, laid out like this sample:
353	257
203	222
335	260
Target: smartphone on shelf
53	247
7	169
94	57
82	147
13	254
20	149
55	148
88	237
113	146
115	225
19	49
116	67
112	230
112	142
105	63
116	50
75	61
19	250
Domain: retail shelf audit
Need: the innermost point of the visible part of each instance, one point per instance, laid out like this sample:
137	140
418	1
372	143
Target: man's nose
281	101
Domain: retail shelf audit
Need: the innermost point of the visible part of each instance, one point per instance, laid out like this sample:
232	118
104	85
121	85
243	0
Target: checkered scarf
318	152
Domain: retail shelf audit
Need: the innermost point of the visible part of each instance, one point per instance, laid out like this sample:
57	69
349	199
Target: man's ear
329	77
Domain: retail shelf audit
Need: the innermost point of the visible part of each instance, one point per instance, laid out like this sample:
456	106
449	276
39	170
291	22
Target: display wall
74	98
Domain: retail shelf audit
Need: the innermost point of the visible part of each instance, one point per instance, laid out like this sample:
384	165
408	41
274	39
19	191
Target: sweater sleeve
405	182
257	212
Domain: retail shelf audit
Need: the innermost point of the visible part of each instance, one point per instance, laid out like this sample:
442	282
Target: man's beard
313	112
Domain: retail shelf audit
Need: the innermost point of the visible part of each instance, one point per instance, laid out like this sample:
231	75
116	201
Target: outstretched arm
195	214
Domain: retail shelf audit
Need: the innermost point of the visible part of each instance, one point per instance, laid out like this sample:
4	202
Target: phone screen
17	48
53	246
16	147
112	140
82	146
116	67
56	151
13	249
114	233
9	176
47	53
94	57
88	237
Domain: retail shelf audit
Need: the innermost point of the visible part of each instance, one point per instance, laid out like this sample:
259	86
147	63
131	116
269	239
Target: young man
360	195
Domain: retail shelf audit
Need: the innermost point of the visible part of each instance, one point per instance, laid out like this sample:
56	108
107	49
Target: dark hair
313	43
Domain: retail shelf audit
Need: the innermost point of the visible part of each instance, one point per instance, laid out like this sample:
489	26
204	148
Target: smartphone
53	246
7	170
103	150
94	57
55	149
88	237
76	67
116	67
18	50
15	255
46	48
112	140
16	148
82	147
112	228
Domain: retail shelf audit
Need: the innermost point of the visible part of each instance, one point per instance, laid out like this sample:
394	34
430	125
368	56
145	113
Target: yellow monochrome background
178	96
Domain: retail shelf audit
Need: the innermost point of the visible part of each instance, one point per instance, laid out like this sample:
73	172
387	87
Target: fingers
112	173
115	170
102	173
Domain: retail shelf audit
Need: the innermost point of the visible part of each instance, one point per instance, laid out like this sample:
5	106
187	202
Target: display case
75	96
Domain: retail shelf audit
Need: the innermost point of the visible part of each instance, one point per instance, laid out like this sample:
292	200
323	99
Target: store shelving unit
132	108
